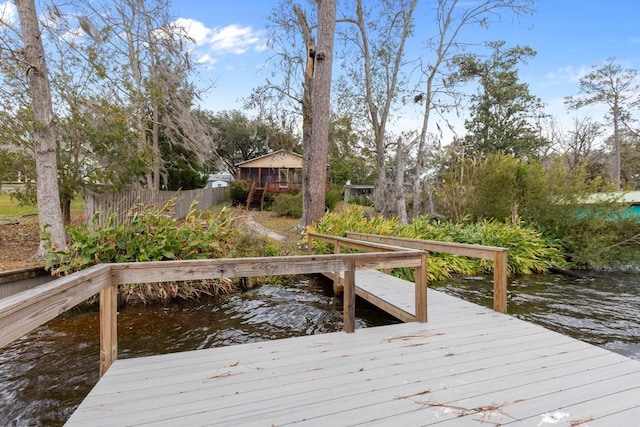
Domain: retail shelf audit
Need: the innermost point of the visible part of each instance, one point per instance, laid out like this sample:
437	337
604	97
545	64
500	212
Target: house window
284	178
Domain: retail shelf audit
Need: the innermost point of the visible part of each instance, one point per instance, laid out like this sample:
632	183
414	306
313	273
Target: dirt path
259	228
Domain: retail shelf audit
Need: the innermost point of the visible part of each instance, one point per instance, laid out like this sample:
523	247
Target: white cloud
8	13
232	39
564	75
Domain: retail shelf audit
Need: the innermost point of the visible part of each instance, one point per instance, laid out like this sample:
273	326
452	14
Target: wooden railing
496	254
357	244
25	311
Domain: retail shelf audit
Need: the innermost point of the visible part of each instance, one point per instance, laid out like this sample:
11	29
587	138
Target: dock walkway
468	365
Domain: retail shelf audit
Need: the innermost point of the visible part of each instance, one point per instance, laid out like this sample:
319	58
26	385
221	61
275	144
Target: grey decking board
328	384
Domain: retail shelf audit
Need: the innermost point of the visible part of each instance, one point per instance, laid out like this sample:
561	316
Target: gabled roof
277	159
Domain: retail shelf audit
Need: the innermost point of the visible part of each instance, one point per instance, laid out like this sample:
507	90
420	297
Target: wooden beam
349	298
421	290
500	282
108	327
357	244
23	312
463	249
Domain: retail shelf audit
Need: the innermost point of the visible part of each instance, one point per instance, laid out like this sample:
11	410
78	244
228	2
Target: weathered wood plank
23	312
108	327
288	380
463	249
168	271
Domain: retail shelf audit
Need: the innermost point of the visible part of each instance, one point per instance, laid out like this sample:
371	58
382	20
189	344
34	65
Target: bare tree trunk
45	137
319	149
398	188
616	142
307	117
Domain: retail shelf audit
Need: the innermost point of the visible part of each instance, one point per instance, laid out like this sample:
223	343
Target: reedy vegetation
529	252
153	234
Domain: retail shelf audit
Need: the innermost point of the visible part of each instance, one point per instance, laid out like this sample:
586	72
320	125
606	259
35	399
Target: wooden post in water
108	327
349	297
336	274
500	281
421	290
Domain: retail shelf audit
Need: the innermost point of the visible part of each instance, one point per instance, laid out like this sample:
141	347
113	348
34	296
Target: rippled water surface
603	310
44	376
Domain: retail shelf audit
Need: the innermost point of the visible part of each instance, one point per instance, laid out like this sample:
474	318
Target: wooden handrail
420	275
496	254
23	312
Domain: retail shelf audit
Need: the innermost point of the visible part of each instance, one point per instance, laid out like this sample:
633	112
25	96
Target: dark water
46	374
603	310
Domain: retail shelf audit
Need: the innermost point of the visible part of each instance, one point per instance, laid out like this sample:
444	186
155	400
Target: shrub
147	235
238	192
331	198
528	251
288	205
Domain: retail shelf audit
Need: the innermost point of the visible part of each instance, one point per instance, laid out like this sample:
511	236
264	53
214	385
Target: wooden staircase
255	200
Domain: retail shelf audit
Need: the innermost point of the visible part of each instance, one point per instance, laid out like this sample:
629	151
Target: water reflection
603	310
45	375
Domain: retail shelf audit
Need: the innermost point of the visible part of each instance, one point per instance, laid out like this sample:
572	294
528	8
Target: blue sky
570	36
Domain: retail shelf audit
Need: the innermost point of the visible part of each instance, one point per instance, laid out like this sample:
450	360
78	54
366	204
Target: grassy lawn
11	209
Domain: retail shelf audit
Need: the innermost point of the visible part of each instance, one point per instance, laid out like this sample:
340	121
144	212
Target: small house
278	172
216	180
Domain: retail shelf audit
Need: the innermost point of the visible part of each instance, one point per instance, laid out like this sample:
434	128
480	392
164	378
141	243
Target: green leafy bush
331	198
147	235
238	192
288	205
528	251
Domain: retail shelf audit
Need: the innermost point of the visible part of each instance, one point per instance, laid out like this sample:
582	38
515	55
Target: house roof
277	159
632	197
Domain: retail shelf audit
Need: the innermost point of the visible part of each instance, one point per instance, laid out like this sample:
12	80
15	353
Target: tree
238	138
580	140
615	87
504	114
50	214
452	16
140	49
313	202
373	78
348	158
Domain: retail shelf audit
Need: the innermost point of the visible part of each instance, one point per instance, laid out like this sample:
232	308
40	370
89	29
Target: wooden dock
468	365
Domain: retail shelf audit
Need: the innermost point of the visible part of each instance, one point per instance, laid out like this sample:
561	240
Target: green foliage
288	205
238	192
528	251
147	235
239	138
331	198
184	170
347	158
503	113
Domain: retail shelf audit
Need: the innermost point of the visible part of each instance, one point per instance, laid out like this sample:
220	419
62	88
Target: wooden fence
119	203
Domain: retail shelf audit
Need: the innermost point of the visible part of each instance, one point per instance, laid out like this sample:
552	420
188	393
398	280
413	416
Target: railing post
349	297
500	282
421	289
309	244
108	327
336	274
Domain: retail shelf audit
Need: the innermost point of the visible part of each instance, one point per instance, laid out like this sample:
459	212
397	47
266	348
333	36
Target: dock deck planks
467	366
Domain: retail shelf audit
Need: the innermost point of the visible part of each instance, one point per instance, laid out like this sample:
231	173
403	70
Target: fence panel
103	205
